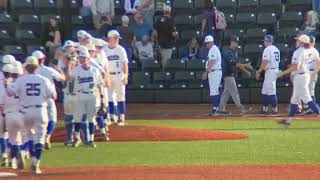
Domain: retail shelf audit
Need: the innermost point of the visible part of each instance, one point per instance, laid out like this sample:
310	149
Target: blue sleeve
185	52
198	53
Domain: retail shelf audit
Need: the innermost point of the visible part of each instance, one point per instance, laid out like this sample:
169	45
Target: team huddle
94	74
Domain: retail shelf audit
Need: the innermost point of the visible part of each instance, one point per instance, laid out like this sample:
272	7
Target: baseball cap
208	38
31	60
114	34
234	39
69	43
99	42
81	33
8	59
84	52
268	38
38	54
303	38
312	39
18	69
8	68
87	35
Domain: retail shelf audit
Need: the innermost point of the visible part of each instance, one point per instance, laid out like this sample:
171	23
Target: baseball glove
102	110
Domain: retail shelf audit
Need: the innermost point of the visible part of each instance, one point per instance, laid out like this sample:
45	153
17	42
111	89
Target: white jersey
214	55
271	55
94	64
102	60
314	62
50	73
302	57
86	80
33	90
11	104
116	57
2	89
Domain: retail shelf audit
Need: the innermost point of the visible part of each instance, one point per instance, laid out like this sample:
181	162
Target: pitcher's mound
154	133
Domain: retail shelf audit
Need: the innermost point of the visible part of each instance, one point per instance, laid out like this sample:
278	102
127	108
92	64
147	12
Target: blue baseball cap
312	39
268	38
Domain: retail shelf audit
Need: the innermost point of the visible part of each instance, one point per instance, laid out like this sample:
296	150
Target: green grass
267	143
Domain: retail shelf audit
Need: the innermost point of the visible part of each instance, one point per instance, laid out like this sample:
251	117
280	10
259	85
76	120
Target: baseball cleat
244	111
68	144
284	122
223	113
109	123
4	161
105	137
92	144
121	123
262	113
306	111
273	113
213	113
36	170
47	145
77	143
21	161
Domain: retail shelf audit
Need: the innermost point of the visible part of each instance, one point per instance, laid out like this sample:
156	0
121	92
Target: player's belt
73	94
272	68
301	73
212	70
86	92
32	106
114	73
311	69
14	112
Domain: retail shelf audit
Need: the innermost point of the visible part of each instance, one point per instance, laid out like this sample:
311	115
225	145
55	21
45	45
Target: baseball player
301	77
101	59
231	64
313	67
270	64
14	118
213	72
6	59
34	92
69	97
51	74
84	38
88	80
118	70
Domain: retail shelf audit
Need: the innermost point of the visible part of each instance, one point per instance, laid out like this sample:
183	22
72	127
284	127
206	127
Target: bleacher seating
22	29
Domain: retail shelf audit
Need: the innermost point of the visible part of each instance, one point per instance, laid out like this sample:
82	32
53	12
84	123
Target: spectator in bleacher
127	35
144	49
53	36
140	27
192	51
208	24
4	5
311	26
131	6
102	8
147	9
105	27
166	34
85	11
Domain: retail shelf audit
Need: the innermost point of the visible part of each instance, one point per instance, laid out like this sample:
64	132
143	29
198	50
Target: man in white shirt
213	72
145	49
102	8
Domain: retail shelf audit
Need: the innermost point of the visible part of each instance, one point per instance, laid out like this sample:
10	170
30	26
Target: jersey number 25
33	89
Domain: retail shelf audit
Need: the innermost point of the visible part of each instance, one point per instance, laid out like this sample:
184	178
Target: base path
154	133
206	172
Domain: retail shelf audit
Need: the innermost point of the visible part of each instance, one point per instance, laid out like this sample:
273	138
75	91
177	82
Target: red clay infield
197	172
152	133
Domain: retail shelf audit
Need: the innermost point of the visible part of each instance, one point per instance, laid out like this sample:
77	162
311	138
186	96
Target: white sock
289	120
275	109
103	130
